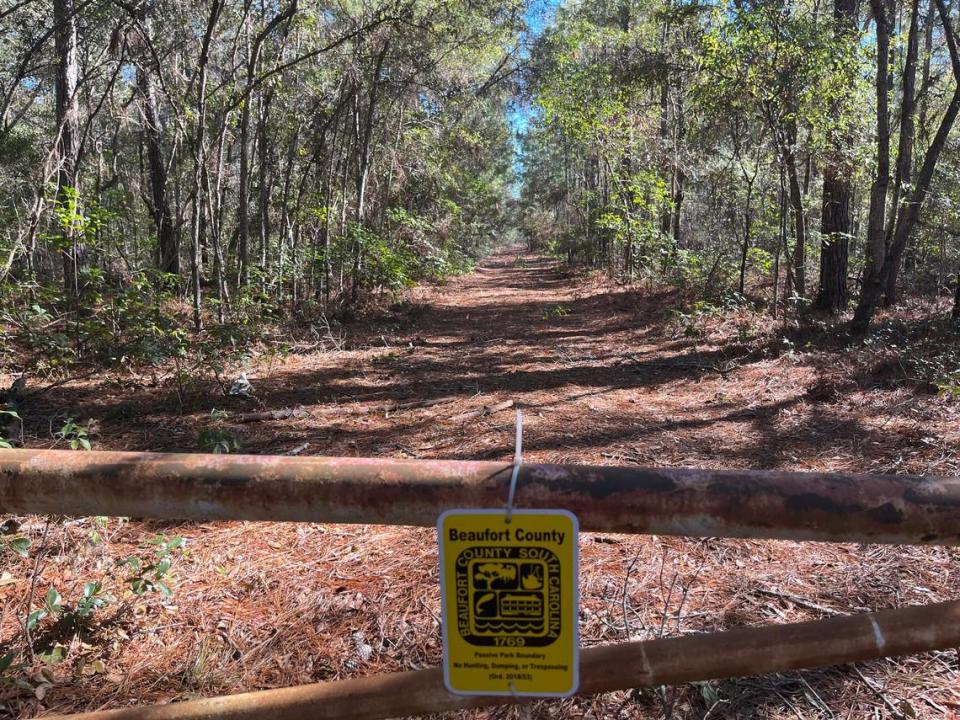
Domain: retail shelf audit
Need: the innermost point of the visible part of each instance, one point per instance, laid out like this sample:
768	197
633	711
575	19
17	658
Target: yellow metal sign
509	596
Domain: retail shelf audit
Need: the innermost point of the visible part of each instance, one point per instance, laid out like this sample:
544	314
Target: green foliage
686	268
691	320
70	619
34	326
91	600
75	216
661	136
7	664
135	327
926	353
75	435
782	64
121	322
5	443
217	440
948	385
13	675
387	358
590	112
760	260
382	264
330	221
99	523
151	573
555	313
52	606
18	545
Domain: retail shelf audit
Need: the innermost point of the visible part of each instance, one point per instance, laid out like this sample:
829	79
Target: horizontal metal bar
672	661
706	503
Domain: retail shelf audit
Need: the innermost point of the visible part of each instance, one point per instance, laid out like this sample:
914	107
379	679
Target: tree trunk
264	182
956	298
168	242
666	219
243	191
834	245
923	112
363	165
909	213
904	149
215	212
287	233
781	241
875	249
243	209
749	181
745	248
799	222
68	140
199	161
837	190
679	178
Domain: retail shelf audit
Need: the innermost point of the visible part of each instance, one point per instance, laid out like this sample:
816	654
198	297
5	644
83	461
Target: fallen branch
300	411
880	694
798	601
295	412
297	449
415	404
484	411
706	367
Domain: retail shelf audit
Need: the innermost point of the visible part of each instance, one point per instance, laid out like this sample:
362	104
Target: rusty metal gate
701	503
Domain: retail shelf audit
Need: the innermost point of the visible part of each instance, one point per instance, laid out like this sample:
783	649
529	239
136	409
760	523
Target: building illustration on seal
510	595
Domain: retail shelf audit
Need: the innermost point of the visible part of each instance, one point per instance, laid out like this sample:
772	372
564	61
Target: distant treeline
808	146
247	154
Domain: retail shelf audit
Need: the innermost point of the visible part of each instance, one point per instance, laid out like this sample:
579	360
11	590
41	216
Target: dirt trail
603	377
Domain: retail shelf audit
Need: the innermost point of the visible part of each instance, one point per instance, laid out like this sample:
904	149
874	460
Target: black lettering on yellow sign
508	596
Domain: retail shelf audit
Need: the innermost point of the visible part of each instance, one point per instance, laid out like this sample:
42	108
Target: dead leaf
906	708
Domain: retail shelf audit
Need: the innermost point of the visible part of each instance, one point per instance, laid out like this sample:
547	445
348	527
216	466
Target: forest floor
603	377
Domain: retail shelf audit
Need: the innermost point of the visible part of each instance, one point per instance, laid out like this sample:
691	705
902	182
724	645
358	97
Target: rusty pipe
672	661
706	503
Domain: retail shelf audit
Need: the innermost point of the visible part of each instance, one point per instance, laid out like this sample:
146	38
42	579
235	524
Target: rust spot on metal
926	497
888	513
803	503
226	481
603	482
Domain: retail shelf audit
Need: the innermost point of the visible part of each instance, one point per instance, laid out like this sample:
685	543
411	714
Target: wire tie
517	461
